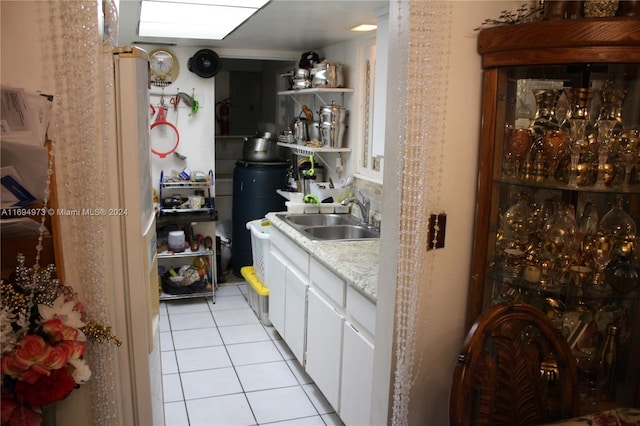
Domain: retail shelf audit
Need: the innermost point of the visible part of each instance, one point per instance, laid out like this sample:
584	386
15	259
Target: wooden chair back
515	369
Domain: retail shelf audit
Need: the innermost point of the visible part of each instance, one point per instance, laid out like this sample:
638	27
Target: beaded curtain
73	52
81	73
423	28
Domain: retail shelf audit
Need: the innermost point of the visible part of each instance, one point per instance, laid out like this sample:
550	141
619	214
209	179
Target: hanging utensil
162	125
311	170
175	101
186	99
307	113
195	105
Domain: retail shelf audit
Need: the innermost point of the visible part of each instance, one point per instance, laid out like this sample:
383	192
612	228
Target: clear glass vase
578	118
617	223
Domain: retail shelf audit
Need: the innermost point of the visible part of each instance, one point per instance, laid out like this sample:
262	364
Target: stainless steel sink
329	226
340	232
319	219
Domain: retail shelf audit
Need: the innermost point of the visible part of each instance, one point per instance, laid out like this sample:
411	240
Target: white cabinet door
324	346
357	376
276	276
295	315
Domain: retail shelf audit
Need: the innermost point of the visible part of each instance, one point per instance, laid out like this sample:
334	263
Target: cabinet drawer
296	256
361	311
330	284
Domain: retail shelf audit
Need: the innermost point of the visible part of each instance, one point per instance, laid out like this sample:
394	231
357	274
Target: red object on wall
222	115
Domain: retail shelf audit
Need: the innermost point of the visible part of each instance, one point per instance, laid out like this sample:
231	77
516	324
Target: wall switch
441	223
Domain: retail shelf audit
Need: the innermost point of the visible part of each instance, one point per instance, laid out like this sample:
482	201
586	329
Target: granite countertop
356	262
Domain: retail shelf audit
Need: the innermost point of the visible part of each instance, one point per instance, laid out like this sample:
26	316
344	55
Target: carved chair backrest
515	369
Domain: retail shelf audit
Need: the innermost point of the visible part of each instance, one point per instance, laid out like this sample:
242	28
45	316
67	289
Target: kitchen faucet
364	205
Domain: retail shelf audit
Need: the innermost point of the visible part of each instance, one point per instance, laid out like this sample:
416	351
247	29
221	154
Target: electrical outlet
439	236
376	163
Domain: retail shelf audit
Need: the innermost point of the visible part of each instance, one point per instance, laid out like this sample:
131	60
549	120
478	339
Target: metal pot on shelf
327	74
299	128
313	131
332	133
333	112
260	149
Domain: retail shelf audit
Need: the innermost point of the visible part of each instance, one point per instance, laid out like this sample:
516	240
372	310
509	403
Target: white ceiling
282	25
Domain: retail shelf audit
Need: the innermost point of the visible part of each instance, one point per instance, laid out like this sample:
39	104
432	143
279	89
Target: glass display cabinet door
565	211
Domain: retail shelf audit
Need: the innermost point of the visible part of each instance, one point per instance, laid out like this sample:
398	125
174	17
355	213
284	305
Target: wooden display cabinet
602	54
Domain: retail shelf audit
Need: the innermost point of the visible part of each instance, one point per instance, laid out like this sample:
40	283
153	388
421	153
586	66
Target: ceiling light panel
364	27
253	4
203	20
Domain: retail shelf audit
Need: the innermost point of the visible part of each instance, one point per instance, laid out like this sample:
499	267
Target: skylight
197	19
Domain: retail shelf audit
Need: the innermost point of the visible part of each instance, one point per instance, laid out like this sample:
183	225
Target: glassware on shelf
599	247
579	99
611	101
617	223
630	153
580	275
604	138
578	115
544	120
576	147
588	223
554	146
621	275
545	117
514	229
559	238
517	145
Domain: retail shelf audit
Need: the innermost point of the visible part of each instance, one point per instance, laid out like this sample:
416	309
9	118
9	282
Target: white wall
197	132
17	68
441	323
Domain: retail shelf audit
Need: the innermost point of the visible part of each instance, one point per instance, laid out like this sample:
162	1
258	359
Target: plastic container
176	241
327	207
259	246
323	191
295	207
339	208
258	295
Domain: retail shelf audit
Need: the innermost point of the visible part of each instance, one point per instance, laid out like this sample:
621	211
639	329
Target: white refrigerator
132	243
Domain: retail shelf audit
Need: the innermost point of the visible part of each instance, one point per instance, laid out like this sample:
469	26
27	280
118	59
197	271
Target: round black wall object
205	63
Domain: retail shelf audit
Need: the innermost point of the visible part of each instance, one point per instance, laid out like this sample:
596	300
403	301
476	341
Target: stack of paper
24	159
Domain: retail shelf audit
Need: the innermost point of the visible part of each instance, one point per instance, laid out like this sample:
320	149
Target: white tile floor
221	366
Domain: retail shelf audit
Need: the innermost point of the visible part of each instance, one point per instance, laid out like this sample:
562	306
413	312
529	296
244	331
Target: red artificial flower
72	349
7	407
49	389
58	331
32	348
24	416
35	358
13	366
56	358
15	414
